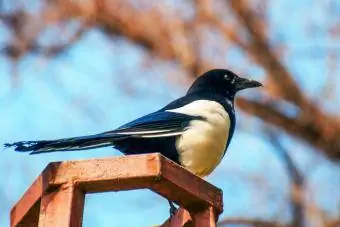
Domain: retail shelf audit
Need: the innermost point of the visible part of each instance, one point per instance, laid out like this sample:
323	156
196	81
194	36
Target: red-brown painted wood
62	207
61	187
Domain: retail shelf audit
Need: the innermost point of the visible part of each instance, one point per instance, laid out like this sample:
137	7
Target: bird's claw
173	209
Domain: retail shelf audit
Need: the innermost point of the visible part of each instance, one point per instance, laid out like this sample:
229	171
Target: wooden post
62	207
56	198
205	217
201	218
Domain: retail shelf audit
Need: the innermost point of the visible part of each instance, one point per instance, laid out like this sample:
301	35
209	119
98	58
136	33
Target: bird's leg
173	209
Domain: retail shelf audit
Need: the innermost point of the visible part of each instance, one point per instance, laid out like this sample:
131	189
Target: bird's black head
222	81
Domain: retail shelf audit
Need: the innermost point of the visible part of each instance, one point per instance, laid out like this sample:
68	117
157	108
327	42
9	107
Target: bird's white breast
201	146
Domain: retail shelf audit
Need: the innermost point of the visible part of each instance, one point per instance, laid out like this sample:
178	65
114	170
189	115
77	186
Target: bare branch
321	132
251	222
50	51
335	223
260	51
297	185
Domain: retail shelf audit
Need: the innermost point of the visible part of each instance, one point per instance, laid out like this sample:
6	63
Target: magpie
193	131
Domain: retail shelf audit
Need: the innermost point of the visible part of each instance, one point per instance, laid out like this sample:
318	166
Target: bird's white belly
202	145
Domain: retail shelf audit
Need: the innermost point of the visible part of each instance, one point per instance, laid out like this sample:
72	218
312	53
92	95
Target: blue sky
98	85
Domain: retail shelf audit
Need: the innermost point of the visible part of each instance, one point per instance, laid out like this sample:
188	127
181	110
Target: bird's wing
158	124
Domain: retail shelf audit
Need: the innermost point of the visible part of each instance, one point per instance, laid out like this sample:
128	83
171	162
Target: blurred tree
195	36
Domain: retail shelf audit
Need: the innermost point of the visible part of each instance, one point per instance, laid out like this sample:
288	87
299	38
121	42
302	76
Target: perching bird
193	131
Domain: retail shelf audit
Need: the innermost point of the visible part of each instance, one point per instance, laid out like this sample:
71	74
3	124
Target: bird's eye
229	78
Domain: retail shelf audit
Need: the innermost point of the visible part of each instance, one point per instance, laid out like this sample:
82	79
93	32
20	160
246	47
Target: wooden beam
151	171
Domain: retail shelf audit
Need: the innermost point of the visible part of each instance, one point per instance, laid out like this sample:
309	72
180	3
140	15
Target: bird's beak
242	83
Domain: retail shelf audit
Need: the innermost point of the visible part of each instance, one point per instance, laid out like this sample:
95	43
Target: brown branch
297	189
206	15
251	222
260	50
19	44
54	50
150	29
24	42
314	126
297	182
322	132
335	223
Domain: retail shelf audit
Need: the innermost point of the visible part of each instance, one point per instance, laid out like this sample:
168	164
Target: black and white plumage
194	130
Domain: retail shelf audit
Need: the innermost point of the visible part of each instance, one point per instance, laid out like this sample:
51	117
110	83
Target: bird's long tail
68	144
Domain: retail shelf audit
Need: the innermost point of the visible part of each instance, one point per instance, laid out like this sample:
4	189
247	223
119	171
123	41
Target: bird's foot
173	209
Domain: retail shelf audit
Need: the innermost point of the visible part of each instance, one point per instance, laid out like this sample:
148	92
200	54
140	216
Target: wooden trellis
56	198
